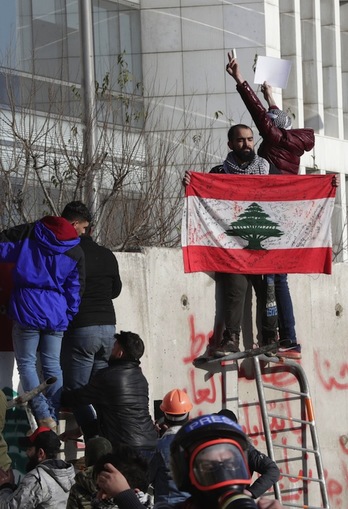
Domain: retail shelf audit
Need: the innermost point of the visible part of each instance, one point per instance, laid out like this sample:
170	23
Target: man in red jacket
281	145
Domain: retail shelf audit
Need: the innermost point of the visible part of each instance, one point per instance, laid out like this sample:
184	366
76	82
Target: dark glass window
41	43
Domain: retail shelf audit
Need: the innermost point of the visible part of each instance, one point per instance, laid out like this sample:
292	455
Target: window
42	38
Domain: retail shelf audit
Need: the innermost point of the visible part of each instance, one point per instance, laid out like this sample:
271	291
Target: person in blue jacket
48	280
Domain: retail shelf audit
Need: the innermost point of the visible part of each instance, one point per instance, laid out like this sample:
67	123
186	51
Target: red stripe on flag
246	261
260	187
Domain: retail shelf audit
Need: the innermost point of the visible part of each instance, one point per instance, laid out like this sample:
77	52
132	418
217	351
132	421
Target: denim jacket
164	487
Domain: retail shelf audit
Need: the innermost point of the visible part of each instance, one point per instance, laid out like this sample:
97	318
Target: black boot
229	344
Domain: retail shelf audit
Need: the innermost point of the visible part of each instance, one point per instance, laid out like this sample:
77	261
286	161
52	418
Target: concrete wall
174	313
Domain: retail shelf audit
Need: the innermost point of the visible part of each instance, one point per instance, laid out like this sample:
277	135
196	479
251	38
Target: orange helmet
176	402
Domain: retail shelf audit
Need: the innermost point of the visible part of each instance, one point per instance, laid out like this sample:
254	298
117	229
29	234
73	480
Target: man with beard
241	160
48	481
120	396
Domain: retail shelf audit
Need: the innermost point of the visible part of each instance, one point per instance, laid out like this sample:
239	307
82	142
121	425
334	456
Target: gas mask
208	461
219	468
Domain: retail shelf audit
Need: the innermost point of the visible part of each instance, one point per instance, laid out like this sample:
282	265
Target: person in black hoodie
89	340
120	396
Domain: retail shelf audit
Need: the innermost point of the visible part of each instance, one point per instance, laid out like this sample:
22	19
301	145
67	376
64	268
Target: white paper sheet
273	70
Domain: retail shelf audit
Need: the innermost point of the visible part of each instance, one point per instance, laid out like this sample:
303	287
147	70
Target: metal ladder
304	424
305	454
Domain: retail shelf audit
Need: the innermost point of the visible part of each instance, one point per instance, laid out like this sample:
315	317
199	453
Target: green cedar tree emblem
254	225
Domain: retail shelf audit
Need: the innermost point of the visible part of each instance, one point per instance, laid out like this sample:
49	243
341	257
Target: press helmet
176	403
202	429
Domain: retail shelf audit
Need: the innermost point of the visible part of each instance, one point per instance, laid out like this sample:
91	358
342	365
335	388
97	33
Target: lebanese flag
258	224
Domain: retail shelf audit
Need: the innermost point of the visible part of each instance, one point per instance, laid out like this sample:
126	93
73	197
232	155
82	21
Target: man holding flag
242	160
242	224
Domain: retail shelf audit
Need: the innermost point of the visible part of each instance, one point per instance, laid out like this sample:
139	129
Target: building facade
185	43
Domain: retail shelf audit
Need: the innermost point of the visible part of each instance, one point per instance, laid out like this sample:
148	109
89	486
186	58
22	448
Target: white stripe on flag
303	224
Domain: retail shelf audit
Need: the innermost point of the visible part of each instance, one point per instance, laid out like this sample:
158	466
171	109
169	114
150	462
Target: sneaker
229	344
271	341
289	350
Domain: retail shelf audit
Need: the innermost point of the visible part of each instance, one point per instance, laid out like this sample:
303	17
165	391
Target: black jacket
120	396
265	466
103	283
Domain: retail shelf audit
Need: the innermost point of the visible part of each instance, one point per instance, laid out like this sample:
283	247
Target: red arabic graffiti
326	375
277	424
205	395
198	342
284	426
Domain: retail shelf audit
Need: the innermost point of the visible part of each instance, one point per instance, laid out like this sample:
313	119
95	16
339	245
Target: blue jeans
285	308
26	343
85	350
